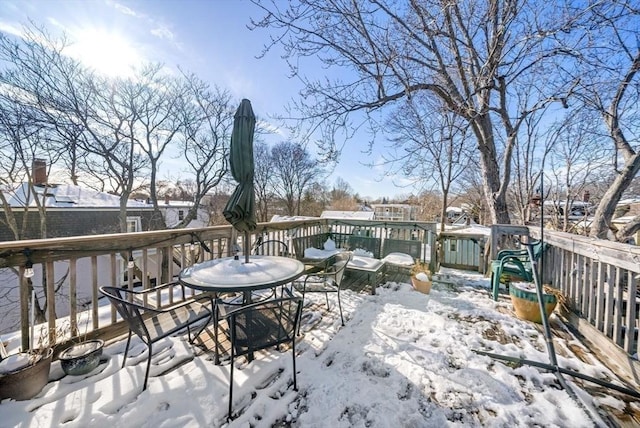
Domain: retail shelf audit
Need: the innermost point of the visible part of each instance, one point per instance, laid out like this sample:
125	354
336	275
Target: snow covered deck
403	359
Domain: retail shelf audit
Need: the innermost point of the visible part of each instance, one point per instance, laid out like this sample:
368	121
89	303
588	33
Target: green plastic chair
515	263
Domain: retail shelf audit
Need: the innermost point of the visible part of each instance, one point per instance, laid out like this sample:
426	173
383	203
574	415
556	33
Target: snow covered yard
403	359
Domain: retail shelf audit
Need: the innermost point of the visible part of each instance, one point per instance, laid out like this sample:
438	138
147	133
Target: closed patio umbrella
240	210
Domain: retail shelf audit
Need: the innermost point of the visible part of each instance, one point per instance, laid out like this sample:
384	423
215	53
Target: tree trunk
494	194
607	206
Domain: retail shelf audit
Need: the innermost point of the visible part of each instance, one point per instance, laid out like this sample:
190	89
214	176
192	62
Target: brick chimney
585	196
39	171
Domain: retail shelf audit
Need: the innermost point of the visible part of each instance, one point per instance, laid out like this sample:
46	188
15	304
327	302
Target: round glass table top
229	274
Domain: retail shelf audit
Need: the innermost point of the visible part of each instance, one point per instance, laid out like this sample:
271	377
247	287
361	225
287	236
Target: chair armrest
197	298
513	259
319	277
153	305
511	253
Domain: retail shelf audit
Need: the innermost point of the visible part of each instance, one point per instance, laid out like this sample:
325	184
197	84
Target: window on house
180	215
133	224
453	245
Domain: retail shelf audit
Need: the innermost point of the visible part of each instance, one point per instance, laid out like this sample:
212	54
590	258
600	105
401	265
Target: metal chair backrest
131	312
271	247
264	324
339	266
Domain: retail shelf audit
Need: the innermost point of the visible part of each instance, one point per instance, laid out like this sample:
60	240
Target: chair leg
231	386
326	296
302	305
146	375
495	284
216	344
200	330
126	349
340	307
293	353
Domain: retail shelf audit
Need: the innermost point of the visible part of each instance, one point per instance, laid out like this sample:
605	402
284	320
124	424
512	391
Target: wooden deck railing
69	271
599	280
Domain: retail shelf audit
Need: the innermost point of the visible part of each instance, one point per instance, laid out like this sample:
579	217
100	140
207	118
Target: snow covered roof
66	196
351	215
628	201
176	204
474	229
277	218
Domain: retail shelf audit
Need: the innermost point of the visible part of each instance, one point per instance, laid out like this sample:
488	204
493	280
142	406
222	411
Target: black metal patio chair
258	326
327	281
151	320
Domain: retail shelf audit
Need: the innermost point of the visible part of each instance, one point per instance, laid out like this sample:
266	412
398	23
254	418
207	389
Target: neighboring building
75	211
175	211
453	214
72	211
395	212
348	215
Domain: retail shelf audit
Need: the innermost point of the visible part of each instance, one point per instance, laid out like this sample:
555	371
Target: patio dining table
229	274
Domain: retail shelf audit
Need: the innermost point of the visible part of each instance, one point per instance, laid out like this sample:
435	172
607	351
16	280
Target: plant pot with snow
23	375
421	277
525	301
81	358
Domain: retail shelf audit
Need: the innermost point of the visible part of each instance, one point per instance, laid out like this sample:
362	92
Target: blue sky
208	37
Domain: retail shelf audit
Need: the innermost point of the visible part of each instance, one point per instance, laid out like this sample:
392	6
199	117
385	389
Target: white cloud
163	32
9	28
122	8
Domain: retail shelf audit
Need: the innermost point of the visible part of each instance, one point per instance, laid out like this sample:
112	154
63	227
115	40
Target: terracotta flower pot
525	302
421	283
27	382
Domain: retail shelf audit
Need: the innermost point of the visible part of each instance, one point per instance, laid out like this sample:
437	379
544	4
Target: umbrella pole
246	247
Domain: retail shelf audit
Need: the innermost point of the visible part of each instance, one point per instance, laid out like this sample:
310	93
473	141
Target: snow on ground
403	359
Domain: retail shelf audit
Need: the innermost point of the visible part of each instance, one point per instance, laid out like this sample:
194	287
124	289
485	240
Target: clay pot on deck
26	382
525	302
421	282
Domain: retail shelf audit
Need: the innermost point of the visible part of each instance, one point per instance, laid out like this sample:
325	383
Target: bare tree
473	56
207	115
157	109
342	197
294	172
534	146
576	161
472	195
263	180
429	205
608	73
432	147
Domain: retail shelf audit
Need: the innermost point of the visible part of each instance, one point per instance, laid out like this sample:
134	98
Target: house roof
66	196
277	218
